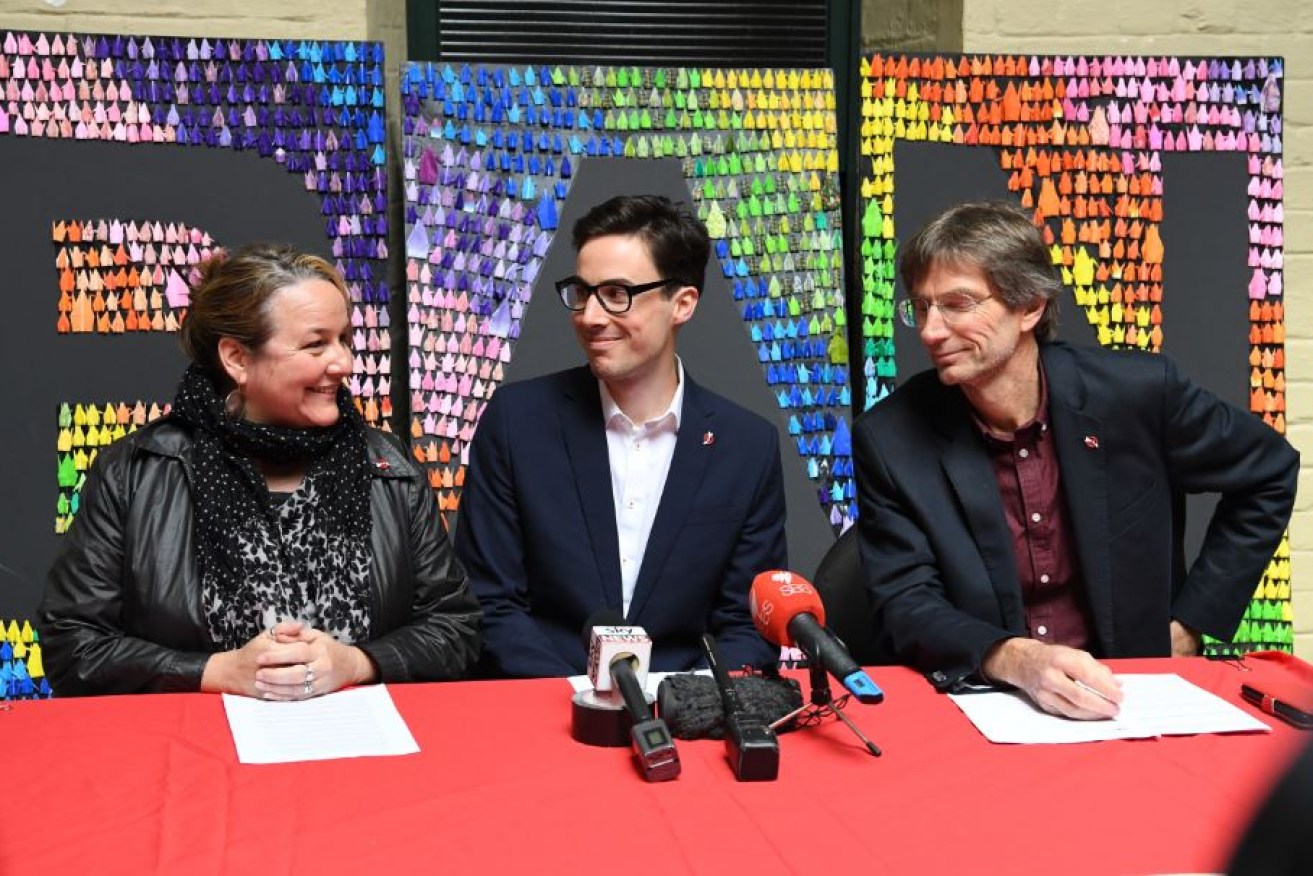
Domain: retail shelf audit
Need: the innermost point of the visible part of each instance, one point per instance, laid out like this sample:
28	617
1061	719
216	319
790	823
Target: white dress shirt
640	457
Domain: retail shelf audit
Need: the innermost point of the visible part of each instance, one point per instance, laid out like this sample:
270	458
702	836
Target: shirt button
1042	630
1035	518
1043	579
1023	453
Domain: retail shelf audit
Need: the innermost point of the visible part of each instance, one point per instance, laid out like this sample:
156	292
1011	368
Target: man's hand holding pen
1061	680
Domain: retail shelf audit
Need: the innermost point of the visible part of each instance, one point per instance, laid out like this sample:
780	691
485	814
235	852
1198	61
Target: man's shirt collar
675	410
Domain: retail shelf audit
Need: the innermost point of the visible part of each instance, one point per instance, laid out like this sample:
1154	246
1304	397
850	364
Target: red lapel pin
708	438
1092	442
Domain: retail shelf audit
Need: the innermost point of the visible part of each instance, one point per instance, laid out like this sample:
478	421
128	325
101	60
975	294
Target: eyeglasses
615	298
915	311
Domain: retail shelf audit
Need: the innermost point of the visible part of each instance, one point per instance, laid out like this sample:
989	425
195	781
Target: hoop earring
234	404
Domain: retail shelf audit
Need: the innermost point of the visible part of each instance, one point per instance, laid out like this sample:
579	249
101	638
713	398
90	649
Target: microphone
750	744
618	657
787	610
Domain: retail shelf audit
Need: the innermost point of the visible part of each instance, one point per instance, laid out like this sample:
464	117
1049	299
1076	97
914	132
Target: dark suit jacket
1133	437
537	530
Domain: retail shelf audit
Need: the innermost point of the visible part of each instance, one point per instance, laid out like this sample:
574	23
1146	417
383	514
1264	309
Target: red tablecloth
152	784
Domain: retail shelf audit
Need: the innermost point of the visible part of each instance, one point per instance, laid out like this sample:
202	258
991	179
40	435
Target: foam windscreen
690	704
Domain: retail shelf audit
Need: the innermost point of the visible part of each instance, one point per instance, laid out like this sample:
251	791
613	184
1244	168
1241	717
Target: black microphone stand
823	705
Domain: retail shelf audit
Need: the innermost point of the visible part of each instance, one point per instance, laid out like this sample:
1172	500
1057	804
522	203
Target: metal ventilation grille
666	33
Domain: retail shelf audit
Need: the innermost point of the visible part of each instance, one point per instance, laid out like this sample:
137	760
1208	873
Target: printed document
1154	705
360	722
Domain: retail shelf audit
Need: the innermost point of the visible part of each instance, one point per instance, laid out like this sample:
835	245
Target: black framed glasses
915	311
615	298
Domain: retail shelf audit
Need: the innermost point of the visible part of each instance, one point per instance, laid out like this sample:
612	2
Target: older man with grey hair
1021	504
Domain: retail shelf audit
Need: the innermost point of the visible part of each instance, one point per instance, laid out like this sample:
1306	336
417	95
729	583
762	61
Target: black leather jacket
122	609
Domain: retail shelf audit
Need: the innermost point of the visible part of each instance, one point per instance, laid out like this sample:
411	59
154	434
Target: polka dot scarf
263	561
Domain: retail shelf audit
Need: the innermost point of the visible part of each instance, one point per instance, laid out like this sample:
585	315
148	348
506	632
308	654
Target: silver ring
309	688
309	674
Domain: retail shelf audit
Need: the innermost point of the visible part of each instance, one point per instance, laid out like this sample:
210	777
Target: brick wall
312	19
912	25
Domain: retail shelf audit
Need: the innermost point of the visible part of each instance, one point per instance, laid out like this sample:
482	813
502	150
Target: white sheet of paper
1155	705
361	722
581	682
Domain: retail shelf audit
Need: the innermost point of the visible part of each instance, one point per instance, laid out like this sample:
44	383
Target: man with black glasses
622	485
1020	505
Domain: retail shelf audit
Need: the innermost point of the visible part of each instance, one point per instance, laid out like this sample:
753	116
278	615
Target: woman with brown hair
260	539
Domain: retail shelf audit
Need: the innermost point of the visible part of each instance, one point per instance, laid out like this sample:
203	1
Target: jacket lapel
585	445
1084	485
687	468
967	466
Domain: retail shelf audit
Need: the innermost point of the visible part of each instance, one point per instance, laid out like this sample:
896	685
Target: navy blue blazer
537	531
1133	437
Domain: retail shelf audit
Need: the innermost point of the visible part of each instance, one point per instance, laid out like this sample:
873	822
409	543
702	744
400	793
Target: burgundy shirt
1025	464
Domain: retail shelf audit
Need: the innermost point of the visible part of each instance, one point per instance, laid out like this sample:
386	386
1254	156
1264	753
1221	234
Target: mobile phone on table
1278	707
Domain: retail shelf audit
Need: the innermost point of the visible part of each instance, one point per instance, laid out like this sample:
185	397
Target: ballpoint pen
1098	693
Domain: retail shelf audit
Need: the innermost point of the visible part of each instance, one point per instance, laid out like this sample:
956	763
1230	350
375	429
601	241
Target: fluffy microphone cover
690	704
